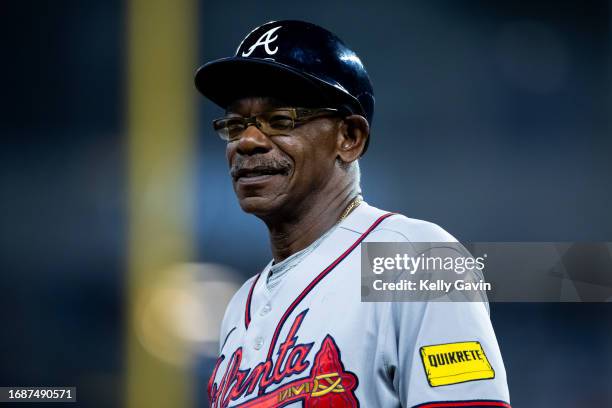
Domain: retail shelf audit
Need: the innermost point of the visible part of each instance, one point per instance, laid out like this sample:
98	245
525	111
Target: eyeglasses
273	123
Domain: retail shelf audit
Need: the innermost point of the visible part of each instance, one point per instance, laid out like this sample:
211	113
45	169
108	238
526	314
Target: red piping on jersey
247	311
310	286
458	404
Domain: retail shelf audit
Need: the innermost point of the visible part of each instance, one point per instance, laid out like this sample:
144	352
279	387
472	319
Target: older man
298	109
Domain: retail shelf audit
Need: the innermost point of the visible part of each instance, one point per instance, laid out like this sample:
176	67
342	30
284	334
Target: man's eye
234	125
280	122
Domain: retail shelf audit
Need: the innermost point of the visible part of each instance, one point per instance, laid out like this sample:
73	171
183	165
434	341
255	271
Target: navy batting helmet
294	61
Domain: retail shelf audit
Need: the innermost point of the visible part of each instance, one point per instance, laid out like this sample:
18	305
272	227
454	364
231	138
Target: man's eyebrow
269	101
269	108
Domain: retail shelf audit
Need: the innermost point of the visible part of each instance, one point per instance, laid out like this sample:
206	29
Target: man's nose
253	141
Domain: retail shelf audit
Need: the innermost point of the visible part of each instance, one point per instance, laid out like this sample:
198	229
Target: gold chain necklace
352	205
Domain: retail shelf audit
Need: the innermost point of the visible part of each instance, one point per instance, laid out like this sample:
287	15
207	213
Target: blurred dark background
62	180
492	120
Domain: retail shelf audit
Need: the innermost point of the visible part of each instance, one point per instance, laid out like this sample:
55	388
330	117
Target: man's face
274	175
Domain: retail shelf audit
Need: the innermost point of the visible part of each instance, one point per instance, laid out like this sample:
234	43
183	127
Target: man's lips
257	173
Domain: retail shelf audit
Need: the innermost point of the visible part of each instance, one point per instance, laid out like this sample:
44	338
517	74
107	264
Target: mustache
244	164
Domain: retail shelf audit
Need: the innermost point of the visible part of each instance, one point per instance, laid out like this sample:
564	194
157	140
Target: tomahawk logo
264	40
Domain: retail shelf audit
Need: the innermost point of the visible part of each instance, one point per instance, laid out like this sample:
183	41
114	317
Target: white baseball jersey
303	338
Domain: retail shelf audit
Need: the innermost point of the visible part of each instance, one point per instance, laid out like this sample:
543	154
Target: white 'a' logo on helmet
264	40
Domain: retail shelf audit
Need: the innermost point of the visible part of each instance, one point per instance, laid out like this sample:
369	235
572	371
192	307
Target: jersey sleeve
441	354
447	356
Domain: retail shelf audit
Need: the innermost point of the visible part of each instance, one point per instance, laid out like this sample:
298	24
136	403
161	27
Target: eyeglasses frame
298	116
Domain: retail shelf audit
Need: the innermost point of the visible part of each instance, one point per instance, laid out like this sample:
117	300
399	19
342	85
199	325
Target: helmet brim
226	80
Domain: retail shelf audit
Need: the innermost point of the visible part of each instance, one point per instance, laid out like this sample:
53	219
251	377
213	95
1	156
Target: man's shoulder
412	230
396	227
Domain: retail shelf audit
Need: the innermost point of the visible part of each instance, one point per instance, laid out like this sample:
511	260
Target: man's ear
352	137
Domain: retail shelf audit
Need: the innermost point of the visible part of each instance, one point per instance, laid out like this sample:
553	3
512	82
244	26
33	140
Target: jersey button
258	343
265	310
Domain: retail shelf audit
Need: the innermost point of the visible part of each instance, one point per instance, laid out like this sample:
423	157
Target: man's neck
291	236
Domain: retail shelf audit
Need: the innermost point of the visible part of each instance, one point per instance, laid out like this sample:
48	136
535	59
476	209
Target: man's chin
261	206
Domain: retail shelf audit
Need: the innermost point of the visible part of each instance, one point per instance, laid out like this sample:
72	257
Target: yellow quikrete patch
454	363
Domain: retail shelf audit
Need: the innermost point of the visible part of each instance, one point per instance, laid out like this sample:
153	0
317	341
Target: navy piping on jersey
308	288
461	404
247	311
227	337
